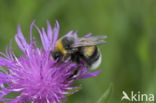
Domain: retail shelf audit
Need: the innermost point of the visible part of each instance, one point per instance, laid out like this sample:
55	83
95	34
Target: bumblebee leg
75	73
67	57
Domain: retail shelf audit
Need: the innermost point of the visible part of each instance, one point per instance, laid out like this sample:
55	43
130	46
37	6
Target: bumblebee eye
56	55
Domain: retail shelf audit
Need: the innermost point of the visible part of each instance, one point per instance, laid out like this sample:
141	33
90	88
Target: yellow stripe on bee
88	51
59	47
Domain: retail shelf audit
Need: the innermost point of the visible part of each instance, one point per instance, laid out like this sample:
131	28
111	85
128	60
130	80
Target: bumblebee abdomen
89	51
91	55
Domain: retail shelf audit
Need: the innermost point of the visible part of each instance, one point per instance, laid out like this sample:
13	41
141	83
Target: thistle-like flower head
35	75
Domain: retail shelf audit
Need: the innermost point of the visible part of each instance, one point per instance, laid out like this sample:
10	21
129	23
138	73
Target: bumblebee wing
89	41
83	43
94	38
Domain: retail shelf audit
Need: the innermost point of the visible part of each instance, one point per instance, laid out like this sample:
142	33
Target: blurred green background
129	58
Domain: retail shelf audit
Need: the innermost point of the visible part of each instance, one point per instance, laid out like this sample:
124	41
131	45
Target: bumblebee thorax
60	47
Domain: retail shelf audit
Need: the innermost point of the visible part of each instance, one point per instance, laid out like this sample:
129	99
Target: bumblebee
79	50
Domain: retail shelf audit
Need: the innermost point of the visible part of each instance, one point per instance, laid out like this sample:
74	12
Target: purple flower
35	75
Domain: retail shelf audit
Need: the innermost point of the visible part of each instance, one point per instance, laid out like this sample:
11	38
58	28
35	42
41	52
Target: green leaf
106	95
11	95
